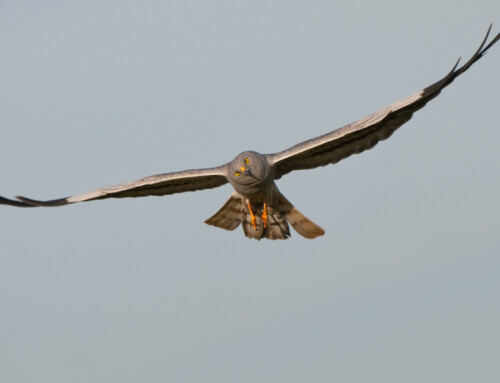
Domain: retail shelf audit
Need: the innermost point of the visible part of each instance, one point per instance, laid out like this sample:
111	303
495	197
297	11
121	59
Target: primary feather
252	175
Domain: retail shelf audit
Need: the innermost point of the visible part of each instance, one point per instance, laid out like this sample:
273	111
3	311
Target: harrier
256	202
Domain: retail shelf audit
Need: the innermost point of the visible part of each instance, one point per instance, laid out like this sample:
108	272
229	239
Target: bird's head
249	168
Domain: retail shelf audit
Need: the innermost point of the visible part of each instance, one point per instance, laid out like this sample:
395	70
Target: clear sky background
404	286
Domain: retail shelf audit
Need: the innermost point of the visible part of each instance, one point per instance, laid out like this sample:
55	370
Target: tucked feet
264	215
252	216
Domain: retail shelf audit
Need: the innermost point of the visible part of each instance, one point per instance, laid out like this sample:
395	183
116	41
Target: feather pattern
229	215
157	185
280	213
252	175
364	134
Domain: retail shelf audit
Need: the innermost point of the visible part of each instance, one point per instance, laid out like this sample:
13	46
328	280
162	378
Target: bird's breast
254	190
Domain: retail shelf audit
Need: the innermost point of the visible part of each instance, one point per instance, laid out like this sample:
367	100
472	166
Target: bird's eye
246	161
237	174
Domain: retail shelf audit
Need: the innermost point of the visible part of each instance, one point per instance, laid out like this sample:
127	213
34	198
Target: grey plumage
257	204
280	211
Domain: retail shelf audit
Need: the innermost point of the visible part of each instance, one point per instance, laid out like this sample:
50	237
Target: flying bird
256	202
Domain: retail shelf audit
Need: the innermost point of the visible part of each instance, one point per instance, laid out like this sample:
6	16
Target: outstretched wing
161	184
366	133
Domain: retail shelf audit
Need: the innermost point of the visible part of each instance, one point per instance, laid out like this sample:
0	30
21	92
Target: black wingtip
480	52
495	39
456	64
10	202
33	202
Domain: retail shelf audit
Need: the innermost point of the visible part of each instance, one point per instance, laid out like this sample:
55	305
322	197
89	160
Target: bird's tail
229	215
300	223
280	212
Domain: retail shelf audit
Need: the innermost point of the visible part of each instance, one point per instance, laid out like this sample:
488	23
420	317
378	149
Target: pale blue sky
404	286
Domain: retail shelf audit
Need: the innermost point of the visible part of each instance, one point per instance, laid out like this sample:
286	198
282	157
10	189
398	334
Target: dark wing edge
364	134
157	185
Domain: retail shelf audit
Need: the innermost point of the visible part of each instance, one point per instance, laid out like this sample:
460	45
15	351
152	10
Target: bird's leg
264	215
252	216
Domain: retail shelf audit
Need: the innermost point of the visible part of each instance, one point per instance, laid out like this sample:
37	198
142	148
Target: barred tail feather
300	223
229	215
303	225
277	224
280	212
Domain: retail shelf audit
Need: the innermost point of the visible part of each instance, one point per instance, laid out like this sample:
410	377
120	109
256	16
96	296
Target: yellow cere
242	169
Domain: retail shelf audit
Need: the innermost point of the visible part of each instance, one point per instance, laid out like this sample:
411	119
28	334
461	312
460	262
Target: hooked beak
246	172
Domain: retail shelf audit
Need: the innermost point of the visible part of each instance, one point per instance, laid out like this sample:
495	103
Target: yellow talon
264	215
252	216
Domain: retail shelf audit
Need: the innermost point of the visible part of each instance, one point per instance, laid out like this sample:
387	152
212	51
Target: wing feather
6	201
364	134
157	185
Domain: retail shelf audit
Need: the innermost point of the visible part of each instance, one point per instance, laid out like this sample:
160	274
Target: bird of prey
256	202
